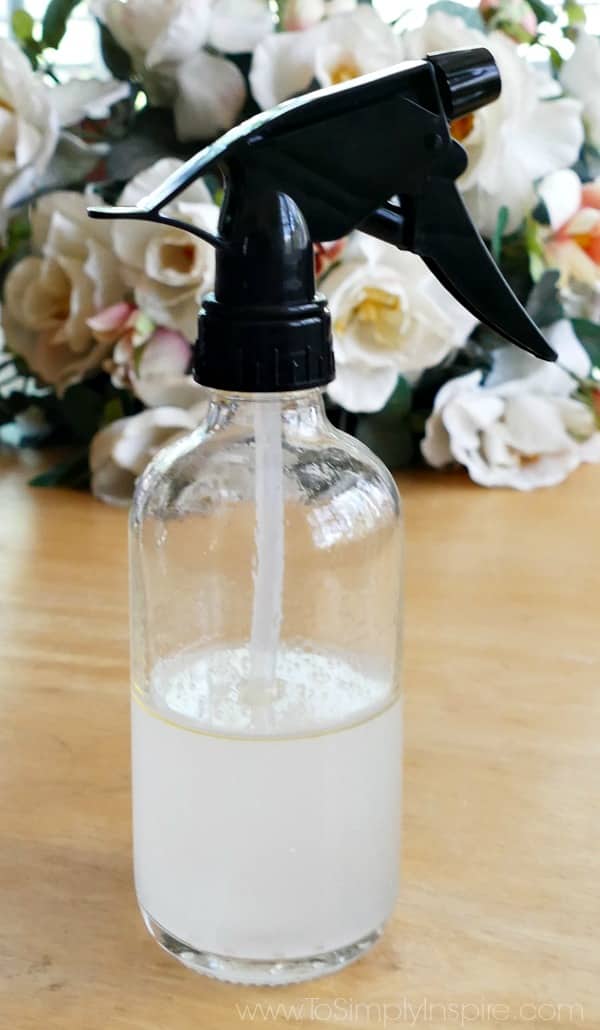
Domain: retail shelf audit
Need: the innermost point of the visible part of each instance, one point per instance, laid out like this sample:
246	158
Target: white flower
167	40
581	77
301	14
29	125
512	142
573	242
86	98
155	32
49	295
168	269
333	51
390	317
150	361
237	26
210	94
161	377
211	91
522	428
514	17
32	114
120	452
147	359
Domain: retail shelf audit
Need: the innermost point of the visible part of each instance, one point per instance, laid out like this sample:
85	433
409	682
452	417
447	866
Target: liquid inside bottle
262	823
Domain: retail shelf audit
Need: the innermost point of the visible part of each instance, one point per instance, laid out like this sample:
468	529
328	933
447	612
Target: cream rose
573	243
147	359
332	51
29	125
49	295
120	452
523	428
299	15
155	32
581	76
167	41
168	269
32	114
514	141
390	317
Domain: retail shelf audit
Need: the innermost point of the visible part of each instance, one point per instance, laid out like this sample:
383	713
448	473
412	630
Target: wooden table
499	916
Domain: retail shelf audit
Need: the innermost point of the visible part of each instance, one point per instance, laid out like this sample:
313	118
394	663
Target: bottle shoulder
216	466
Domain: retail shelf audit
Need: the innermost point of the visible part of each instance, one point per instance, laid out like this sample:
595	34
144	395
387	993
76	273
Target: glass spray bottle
266	579
266	546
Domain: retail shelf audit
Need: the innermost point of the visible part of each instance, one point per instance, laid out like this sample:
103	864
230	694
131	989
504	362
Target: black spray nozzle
374	153
467	80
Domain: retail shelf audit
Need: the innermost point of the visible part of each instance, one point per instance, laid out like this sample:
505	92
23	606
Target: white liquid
279	840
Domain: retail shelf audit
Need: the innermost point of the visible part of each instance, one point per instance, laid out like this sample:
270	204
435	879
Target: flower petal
561	193
236	26
534	425
282	67
142	435
362	388
167	353
211	92
110	320
176	391
590	194
86	98
580	76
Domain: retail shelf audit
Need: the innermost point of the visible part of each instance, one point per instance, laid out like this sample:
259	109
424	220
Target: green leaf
16	244
150	136
19	229
22	24
556	58
537	266
575	13
72	472
82	410
21	365
54	22
544	304
71	164
534	250
388	433
588	164
129	156
13	404
588	334
470	15
543	11
400	401
501	223
540	213
113	409
116	59
393	443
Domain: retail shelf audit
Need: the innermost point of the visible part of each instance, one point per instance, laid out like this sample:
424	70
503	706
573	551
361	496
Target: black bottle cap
264	330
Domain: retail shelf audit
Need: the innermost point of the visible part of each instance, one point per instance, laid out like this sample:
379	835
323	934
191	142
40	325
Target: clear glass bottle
266	808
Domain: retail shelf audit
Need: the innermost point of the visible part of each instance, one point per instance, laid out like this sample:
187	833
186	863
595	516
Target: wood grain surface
499	916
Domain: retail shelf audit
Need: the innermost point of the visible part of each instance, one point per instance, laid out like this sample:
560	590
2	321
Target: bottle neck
301	411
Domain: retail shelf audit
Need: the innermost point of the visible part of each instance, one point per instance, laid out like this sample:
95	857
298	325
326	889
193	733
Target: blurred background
79	53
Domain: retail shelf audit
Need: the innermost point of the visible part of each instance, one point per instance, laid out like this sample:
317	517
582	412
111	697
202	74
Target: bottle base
258	972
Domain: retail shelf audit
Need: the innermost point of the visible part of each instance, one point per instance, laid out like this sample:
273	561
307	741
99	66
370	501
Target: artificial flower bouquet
99	319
